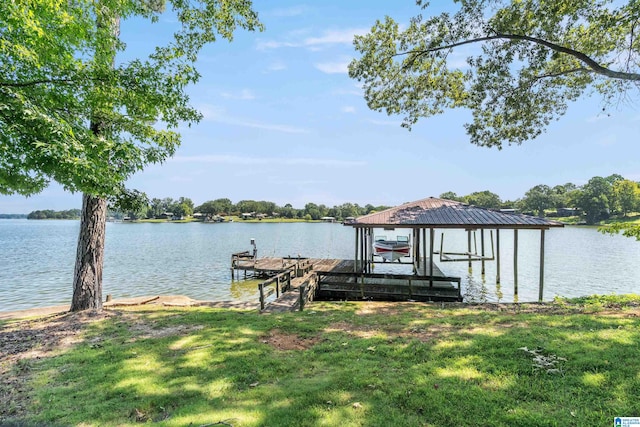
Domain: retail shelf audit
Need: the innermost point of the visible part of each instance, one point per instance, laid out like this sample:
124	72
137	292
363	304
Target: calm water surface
37	260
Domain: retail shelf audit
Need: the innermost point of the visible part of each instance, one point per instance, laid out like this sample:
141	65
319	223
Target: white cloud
242	160
348	109
607	140
272	44
244	94
277	66
335	37
333	67
385	122
327	38
288	12
216	114
357	91
596	118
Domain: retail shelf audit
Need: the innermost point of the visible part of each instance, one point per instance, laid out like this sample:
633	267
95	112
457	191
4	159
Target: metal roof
441	213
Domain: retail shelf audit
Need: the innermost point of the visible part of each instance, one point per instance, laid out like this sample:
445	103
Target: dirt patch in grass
282	341
360	331
424	333
381	307
143	330
25	341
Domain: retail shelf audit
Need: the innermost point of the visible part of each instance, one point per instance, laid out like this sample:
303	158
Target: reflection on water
37	257
499	294
475	289
244	289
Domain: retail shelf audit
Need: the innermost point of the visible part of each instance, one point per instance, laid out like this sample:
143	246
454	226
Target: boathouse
423	217
424	281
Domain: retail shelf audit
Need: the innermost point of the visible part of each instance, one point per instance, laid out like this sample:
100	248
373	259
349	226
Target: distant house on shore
568	211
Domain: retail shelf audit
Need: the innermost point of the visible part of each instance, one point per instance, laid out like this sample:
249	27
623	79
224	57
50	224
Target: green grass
569	220
348	364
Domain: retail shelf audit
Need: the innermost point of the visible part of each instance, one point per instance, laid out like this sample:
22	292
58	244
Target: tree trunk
87	278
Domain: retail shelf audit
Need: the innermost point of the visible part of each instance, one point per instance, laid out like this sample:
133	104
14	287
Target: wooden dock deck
335	279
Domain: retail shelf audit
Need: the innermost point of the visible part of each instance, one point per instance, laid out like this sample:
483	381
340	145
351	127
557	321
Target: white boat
391	250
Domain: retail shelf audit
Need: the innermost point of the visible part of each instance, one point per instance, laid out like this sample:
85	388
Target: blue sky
283	122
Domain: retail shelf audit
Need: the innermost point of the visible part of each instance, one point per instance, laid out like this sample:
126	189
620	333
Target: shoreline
161	300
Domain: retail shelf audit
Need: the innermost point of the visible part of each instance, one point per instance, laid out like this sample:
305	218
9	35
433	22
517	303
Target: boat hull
391	250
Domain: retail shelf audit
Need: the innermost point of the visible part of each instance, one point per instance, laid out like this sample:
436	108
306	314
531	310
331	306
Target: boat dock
296	280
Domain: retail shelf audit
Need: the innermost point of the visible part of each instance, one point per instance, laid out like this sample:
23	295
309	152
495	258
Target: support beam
355	258
370	248
541	287
431	257
361	267
482	249
497	255
515	265
469	248
424	251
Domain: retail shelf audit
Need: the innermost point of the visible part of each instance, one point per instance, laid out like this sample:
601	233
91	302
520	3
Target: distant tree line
12	216
184	206
598	199
50	214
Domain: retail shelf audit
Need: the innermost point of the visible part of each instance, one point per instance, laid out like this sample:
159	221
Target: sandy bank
163	300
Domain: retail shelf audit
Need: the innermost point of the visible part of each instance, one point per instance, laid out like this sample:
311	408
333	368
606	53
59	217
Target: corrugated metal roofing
441	213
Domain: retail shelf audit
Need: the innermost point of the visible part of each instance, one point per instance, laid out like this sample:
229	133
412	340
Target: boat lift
467	256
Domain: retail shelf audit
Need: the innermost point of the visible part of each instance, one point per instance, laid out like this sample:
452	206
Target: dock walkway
336	279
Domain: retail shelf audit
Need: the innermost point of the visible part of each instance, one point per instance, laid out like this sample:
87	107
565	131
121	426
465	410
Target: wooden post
261	288
362	259
431	257
469	248
367	249
497	255
482	249
541	287
355	259
515	263
278	286
424	251
302	299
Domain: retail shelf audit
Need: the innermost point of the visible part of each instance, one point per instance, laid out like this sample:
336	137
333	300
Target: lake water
37	260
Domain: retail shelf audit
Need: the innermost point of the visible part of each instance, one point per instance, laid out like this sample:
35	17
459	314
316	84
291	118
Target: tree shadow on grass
387	365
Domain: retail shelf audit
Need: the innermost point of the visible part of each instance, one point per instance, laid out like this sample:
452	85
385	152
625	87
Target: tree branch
585	59
42	82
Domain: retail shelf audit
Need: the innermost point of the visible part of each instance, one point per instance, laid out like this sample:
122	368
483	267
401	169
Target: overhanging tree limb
585	59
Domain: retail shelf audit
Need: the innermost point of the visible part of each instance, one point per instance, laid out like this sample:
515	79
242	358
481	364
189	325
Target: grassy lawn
632	218
568	363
